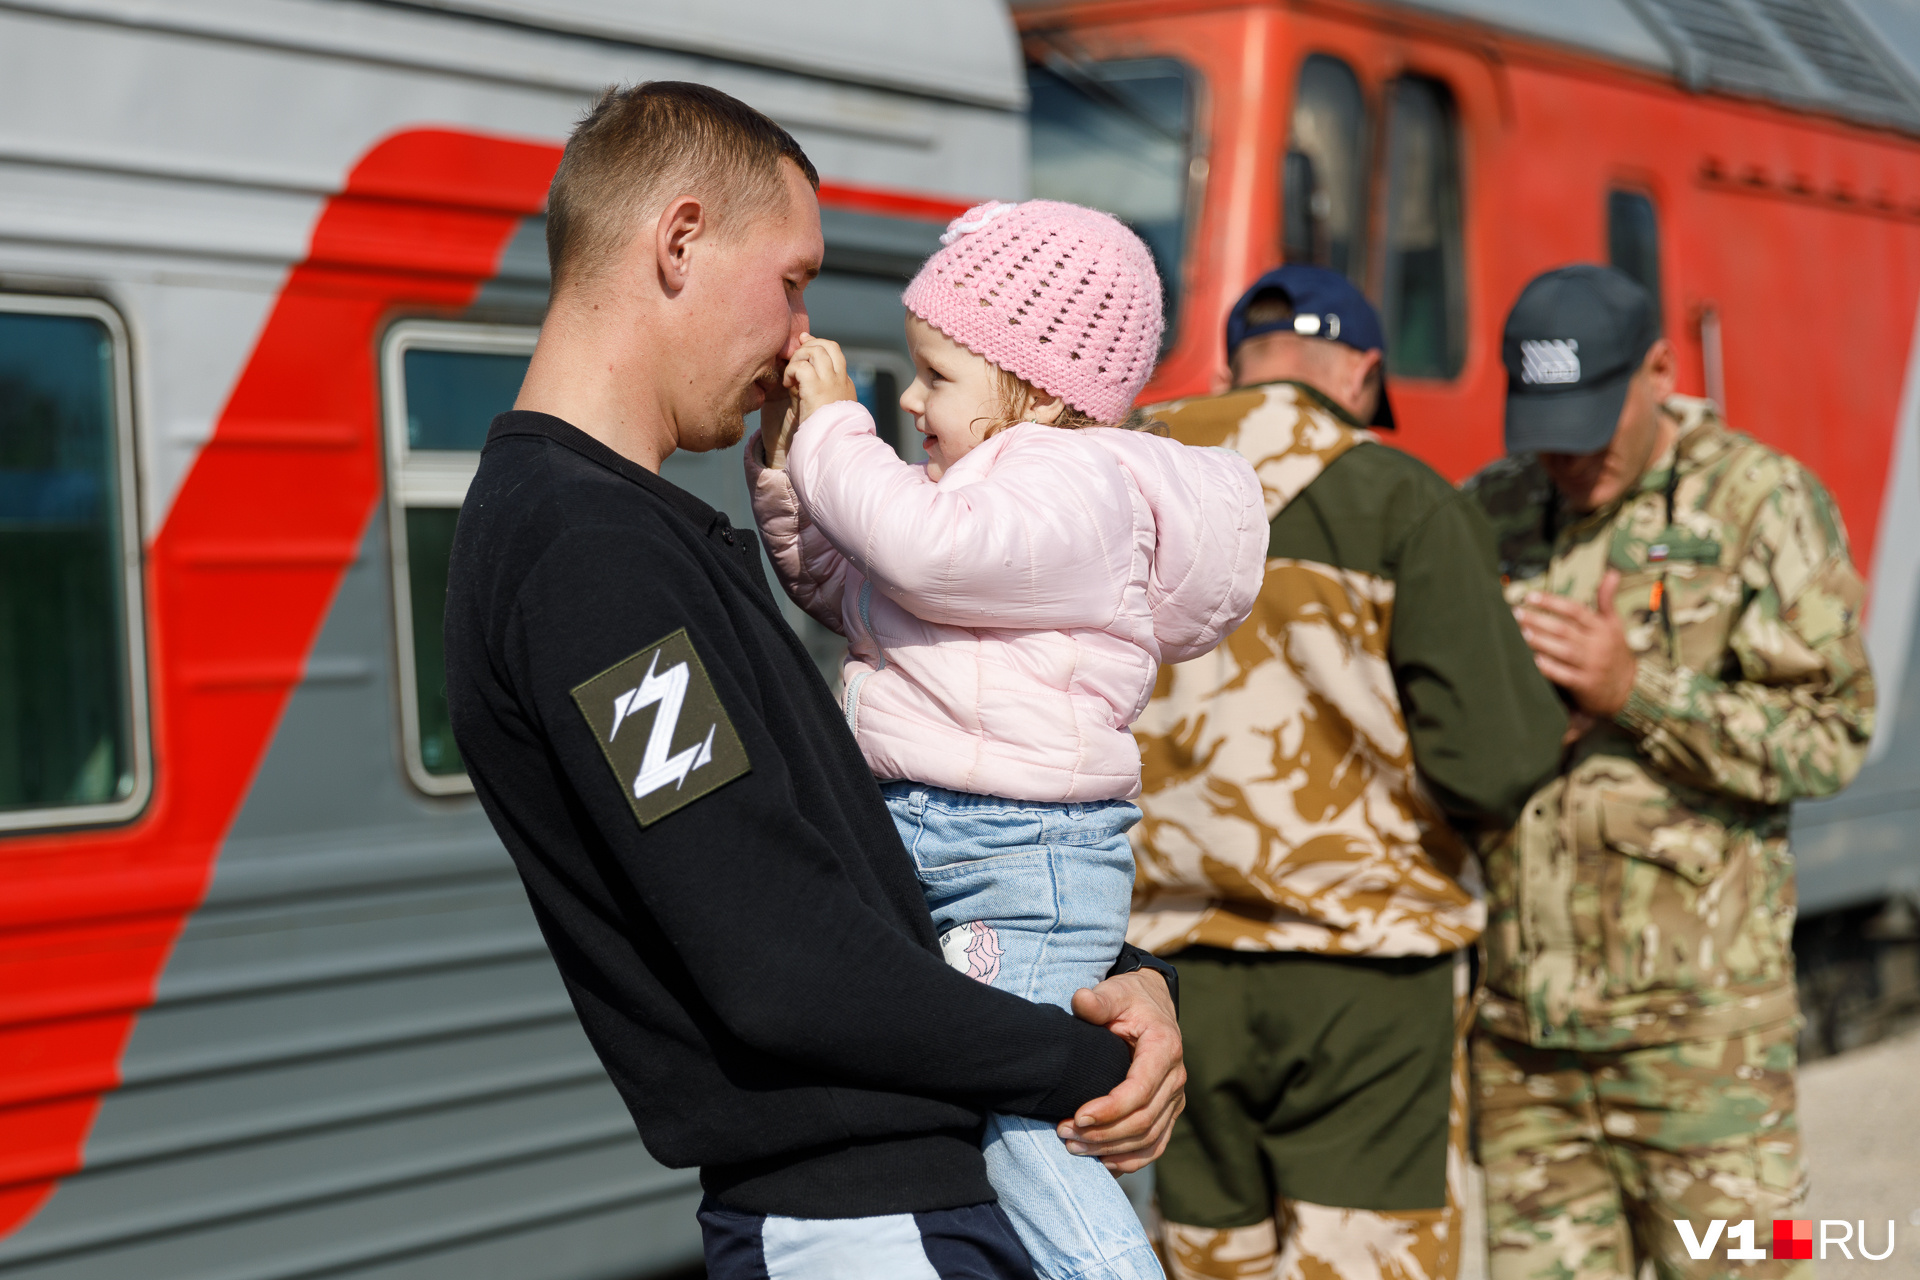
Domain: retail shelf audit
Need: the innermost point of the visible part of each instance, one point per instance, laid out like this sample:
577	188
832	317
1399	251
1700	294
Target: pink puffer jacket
1005	625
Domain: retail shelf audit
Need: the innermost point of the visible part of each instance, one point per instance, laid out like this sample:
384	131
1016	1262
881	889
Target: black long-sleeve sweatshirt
708	857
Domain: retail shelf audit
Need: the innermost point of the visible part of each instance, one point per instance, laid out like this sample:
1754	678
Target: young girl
1006	609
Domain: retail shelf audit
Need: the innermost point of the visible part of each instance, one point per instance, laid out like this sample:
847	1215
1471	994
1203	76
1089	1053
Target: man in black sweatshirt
708	857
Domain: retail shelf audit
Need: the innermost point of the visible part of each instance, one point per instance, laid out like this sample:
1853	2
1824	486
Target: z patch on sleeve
681	751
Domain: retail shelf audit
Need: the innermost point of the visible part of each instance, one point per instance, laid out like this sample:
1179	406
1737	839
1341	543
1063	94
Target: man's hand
1579	724
1128	1129
1582	650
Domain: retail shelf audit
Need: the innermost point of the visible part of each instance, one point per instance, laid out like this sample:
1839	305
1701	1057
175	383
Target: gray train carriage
272	1003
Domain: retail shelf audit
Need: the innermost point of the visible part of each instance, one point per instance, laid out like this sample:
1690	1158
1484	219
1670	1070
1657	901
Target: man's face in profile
1590	481
752	312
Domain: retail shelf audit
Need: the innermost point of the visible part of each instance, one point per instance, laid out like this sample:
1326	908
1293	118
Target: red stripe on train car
890	204
292	474
239	581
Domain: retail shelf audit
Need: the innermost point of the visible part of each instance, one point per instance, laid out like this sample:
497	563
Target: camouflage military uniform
1636	1063
1304	789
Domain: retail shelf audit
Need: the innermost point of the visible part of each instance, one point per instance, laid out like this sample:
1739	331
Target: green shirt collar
1313	393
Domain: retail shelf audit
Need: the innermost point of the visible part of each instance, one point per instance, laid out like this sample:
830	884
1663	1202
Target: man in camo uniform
1310	790
1690	592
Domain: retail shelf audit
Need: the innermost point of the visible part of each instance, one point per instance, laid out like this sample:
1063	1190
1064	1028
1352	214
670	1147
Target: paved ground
1860	1112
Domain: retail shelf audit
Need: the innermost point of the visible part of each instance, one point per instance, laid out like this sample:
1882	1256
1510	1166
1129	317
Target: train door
1389	152
1233	141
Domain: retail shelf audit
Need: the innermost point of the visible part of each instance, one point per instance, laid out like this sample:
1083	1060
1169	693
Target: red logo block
1792	1238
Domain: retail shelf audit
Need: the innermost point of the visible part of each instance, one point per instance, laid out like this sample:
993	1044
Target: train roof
1855	58
963	50
1859	59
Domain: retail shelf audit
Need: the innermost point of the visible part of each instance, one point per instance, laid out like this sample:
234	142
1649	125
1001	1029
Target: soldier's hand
1582	650
1578	725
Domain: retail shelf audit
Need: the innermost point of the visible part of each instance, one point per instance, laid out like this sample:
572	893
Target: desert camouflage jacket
1306	785
1646	895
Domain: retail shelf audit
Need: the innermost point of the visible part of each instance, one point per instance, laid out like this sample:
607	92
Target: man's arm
750	895
1486	726
1796	721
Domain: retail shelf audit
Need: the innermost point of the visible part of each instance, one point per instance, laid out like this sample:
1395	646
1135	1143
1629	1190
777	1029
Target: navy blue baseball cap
1325	305
1572	344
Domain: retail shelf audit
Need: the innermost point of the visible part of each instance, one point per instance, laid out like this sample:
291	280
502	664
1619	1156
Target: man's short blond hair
646	143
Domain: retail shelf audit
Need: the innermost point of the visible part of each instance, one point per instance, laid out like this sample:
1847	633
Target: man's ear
1367	371
1222	380
681	223
1046	412
1663	367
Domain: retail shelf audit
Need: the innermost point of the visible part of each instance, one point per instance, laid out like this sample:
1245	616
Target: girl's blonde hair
1015	398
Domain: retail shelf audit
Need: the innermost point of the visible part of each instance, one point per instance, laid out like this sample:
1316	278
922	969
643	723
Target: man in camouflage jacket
1690	592
1310	790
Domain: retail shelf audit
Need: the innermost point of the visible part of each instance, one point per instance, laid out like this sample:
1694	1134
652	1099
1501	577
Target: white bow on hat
974	219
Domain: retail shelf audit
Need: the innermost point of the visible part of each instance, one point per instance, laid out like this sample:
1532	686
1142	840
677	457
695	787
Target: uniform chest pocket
1653	828
1704	601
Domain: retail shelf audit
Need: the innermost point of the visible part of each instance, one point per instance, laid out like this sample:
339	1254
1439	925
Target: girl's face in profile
954	396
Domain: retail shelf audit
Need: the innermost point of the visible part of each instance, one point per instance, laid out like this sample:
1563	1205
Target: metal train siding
1771	187
272	1003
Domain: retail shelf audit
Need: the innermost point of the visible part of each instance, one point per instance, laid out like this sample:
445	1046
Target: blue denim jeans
1032	898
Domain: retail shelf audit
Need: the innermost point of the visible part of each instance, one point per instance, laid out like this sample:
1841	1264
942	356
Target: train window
1324	178
73	744
1423	284
444	384
1633	239
1119	136
878	379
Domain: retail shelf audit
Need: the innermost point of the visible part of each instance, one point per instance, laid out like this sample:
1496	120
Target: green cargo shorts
1309	1078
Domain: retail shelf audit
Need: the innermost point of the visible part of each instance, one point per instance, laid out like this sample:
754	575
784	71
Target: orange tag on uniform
1659	590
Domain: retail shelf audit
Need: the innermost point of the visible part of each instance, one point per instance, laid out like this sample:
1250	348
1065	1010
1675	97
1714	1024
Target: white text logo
1792	1238
1550	360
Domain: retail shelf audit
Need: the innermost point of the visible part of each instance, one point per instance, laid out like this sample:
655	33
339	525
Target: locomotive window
73	745
444	383
1119	136
1423	282
1633	239
1324	179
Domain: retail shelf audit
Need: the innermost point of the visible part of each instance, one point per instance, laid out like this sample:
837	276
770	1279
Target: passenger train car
271	1001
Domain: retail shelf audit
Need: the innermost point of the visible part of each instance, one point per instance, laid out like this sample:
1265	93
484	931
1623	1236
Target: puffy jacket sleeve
1042	540
812	572
1210	553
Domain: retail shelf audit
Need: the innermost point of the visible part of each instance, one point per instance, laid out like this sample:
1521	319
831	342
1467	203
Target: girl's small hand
817	376
774	439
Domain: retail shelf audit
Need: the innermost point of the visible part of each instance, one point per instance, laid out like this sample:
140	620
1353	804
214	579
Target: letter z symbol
657	768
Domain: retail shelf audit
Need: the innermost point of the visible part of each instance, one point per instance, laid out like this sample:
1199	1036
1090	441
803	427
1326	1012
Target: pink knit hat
1064	297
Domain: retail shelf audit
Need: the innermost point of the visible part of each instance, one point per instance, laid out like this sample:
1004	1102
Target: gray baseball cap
1573	342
